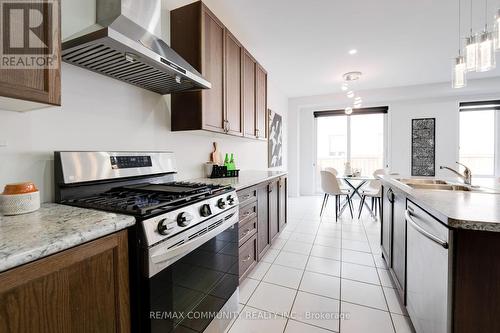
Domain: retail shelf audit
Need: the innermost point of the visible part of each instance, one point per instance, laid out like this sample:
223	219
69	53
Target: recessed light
353	51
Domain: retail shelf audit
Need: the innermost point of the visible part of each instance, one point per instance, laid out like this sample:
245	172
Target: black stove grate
149	199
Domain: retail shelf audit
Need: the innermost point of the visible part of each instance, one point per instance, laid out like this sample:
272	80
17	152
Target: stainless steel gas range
184	246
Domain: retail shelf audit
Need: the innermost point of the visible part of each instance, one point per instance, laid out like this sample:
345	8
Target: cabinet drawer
248	212
247	230
248	256
247	196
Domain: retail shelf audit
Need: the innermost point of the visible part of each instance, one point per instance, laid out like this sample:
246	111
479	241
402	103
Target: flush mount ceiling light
353	51
352	76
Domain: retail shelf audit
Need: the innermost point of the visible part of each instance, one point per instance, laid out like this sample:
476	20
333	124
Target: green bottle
231	165
226	161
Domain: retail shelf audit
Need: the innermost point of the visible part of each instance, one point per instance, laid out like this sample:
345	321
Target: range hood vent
118	47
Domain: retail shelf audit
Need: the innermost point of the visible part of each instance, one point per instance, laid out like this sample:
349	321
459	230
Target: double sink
437	184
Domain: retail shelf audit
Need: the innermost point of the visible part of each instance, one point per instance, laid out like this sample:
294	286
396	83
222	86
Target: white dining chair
330	186
336	173
374	191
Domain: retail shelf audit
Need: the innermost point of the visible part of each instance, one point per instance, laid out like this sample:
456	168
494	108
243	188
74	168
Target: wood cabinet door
273	188
386	230
41	85
261	102
234	71
263	240
83	289
213	70
249	121
283	193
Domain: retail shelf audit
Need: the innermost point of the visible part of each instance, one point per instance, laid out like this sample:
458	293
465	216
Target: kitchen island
440	241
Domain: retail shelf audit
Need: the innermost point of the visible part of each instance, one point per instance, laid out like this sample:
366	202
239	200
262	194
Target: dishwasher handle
424	232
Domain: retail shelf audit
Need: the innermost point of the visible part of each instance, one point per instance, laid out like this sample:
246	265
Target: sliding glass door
359	139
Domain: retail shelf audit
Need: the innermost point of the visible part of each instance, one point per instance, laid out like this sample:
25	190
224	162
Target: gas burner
149	198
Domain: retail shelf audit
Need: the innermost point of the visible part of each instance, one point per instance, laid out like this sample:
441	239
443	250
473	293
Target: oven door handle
163	253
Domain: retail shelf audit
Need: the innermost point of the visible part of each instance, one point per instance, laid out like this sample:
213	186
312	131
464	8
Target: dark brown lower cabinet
273	209
248	256
282	199
262	217
83	289
263	220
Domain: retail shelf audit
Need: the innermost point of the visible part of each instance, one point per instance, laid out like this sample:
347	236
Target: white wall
405	103
100	113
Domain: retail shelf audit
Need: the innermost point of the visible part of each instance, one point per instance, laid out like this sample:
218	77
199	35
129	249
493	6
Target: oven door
191	280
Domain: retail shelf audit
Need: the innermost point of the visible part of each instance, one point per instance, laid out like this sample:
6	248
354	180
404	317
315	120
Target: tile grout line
380	280
301	278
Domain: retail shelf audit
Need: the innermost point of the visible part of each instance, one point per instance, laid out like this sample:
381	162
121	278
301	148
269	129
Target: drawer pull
247	258
245	233
247	213
245	197
424	232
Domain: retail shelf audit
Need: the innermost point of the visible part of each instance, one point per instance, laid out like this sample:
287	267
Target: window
358	138
478	127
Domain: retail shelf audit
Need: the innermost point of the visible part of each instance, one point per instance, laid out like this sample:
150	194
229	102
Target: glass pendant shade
471	49
486	52
497	30
459	73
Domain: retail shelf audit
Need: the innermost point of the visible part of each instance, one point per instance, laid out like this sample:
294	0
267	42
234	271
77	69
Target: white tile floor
321	276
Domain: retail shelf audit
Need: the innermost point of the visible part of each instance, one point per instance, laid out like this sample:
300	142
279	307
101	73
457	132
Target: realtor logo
27	31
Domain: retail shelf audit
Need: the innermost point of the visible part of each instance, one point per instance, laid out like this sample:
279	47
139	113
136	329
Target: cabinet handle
245	197
390	195
247	258
423	231
245	233
246	213
256	132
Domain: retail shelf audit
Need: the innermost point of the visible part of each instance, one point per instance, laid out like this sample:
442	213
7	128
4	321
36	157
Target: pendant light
459	65
471	47
486	49
497	30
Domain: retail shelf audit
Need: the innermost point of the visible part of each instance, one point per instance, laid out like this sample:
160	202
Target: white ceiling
304	44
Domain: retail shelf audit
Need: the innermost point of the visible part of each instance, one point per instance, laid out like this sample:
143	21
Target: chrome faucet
467	176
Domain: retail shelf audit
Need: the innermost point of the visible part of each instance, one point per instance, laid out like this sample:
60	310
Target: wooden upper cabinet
234	71
29	89
261	102
213	70
236	104
249	95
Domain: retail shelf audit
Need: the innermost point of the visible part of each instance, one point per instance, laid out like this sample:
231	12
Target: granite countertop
458	209
51	229
247	178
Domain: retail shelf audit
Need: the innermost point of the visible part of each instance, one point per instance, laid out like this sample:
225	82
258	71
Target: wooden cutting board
215	156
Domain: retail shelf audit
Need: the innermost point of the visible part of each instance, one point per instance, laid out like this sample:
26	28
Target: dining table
355	183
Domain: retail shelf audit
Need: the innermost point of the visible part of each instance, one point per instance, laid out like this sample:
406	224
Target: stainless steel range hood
119	47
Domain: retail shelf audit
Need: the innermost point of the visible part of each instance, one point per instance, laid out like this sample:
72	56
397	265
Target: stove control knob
230	200
221	203
205	210
183	219
164	227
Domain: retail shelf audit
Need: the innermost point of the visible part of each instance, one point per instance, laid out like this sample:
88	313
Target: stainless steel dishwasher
429	267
